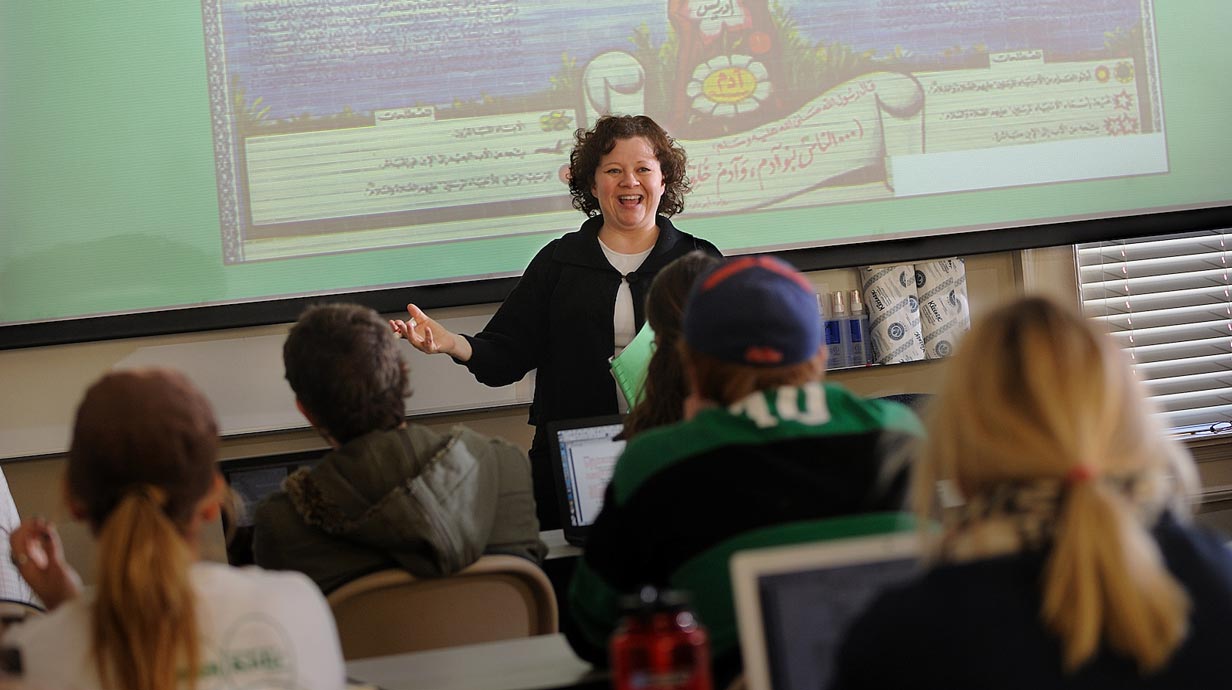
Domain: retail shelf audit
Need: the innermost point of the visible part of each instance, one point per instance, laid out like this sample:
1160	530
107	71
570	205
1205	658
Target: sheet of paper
629	367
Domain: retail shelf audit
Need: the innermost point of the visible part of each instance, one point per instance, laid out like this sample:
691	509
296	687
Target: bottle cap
857	305
649	599
836	304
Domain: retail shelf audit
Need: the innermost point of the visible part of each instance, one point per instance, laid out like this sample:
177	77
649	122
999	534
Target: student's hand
428	336
39	557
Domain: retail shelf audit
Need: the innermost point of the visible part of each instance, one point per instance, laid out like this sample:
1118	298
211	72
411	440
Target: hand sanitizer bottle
838	343
857	332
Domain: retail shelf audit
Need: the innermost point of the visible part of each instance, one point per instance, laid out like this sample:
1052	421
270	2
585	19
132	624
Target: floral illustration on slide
1121	125
729	85
728	57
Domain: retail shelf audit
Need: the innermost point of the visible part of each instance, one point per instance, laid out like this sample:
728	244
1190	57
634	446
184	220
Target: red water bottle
660	644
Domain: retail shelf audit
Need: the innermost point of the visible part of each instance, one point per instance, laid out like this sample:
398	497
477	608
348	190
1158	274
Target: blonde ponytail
1038	397
145	621
1105	580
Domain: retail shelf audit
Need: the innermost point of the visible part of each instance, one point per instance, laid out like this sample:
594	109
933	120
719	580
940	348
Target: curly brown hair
343	364
592	144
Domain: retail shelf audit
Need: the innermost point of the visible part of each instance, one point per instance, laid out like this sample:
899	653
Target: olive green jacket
410	498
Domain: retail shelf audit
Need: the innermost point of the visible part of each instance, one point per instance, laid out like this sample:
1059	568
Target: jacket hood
417	495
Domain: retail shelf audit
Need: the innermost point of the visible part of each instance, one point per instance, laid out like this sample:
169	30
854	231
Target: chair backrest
495	598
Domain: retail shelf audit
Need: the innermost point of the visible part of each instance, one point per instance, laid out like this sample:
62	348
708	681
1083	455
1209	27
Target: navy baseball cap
753	310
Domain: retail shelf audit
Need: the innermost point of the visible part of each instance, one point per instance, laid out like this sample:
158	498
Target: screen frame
746	569
574	533
393	300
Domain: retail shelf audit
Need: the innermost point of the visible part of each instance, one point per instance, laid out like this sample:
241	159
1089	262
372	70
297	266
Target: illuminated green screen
161	155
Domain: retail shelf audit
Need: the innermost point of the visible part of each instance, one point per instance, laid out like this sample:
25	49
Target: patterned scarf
1017	516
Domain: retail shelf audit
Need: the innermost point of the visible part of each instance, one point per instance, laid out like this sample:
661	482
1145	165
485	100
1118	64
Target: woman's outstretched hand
428	336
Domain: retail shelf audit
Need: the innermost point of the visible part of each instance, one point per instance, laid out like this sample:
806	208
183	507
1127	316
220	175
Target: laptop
251	480
794	603
584	453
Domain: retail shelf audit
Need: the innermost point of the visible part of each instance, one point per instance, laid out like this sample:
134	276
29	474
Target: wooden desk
523	664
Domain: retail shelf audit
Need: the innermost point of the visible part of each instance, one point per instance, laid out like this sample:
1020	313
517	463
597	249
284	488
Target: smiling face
629	184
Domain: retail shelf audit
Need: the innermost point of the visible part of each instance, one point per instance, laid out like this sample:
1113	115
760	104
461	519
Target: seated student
665	388
1071	562
766	453
142	472
390	494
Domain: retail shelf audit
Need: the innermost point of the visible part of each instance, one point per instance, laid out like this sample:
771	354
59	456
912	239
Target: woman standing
581	298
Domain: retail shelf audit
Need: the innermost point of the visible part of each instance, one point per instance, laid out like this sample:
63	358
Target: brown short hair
343	363
727	382
592	144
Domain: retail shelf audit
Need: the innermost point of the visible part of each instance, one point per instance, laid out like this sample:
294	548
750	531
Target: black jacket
558	319
977	625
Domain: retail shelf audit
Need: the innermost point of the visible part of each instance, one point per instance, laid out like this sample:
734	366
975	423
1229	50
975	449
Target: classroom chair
498	597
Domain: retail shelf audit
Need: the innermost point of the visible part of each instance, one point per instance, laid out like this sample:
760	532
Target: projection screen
163	156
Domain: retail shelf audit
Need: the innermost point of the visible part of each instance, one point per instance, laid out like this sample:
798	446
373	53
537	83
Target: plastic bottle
660	644
838	346
857	331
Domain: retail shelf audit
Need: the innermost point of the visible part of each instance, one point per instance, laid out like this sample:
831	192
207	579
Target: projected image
342	126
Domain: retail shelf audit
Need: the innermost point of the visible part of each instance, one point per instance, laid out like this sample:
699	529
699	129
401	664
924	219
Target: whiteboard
256	398
239	371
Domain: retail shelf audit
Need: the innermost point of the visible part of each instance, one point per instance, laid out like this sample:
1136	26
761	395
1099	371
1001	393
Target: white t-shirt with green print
260	629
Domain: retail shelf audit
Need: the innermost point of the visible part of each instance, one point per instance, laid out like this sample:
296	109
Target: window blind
1168	301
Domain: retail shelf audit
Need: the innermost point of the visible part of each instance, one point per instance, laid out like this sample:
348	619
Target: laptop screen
799	605
252	479
586	453
806	615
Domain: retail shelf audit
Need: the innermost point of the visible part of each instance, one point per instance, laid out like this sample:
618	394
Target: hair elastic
1079	473
151	493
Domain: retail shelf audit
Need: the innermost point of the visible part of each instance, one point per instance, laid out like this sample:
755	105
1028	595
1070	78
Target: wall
51	380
